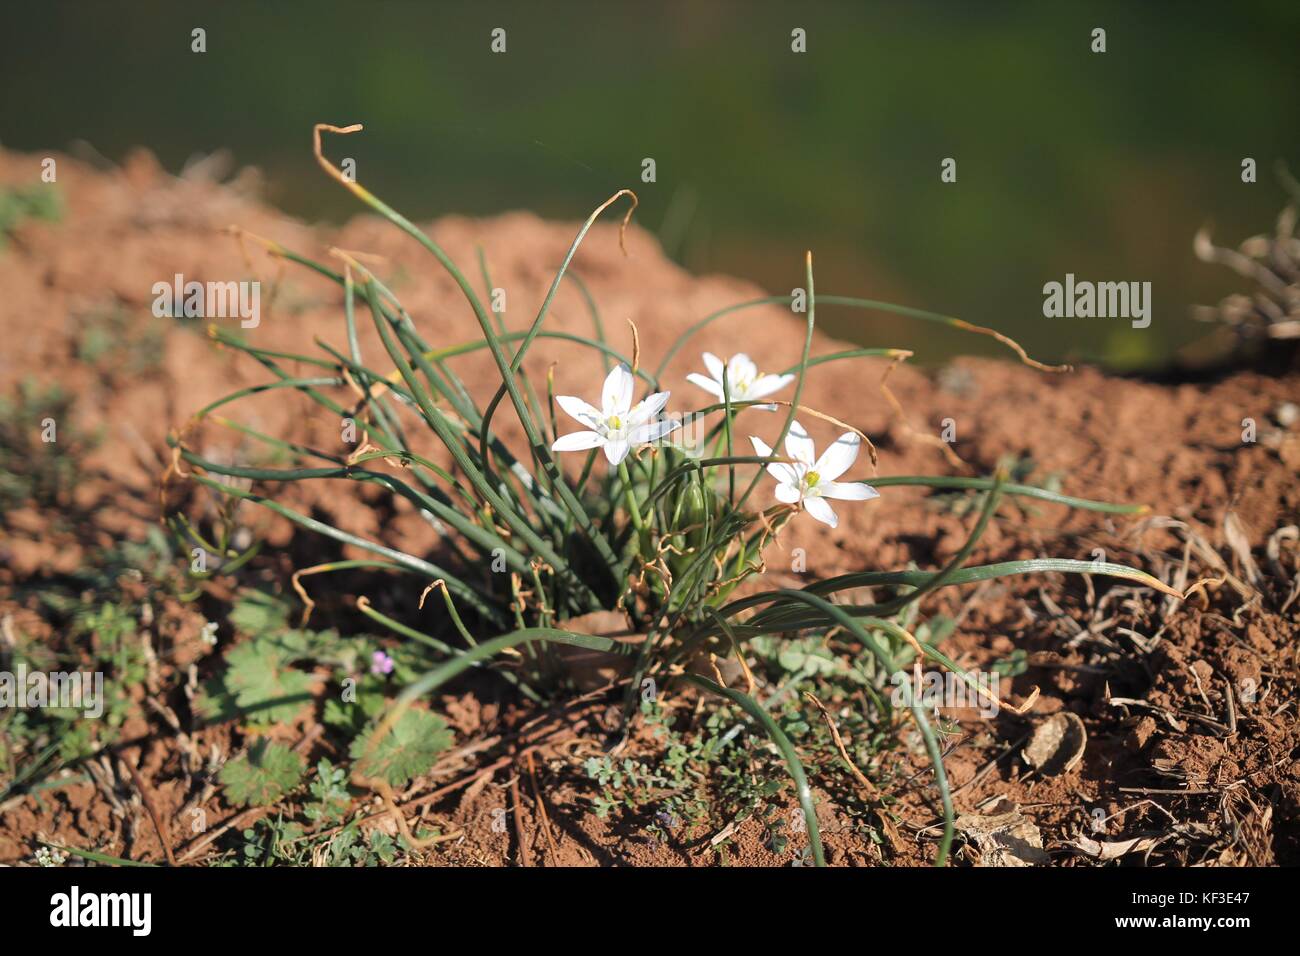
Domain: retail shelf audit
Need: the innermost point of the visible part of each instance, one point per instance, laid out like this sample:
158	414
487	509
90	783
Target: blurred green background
1103	165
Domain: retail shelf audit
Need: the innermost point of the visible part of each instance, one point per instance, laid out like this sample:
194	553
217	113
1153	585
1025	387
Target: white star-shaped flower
743	379
617	426
810	480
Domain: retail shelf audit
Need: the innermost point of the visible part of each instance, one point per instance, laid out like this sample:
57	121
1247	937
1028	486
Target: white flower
617	426
47	856
811	480
743	381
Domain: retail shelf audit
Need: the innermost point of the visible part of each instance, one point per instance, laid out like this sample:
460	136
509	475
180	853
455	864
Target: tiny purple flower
380	663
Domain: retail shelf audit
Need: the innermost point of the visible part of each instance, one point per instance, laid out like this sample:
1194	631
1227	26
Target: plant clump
659	519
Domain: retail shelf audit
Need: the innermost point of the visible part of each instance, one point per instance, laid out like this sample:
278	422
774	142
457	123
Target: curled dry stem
273	248
440	583
896	405
806	410
333	171
308	605
364	194
1019	710
1011	344
744	668
636	347
858	775
270	245
366	448
717	674
174	467
378	784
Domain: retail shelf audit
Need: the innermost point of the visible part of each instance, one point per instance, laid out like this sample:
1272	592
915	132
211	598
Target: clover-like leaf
214	702
263	775
257	613
263	685
407	750
357	707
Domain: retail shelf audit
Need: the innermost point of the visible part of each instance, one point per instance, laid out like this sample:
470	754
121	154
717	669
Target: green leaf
263	775
330	792
352	716
214	703
406	751
1014	664
298	645
258	613
383	846
264	686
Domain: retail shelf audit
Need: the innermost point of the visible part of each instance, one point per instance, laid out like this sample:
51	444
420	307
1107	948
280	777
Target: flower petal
741	368
787	492
647	408
616	450
847	490
706	383
645	434
787	474
576	408
616	396
783	473
578	441
837	459
798	445
714	365
821	509
767	384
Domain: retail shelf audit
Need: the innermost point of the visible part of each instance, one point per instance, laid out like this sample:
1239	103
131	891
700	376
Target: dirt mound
1189	707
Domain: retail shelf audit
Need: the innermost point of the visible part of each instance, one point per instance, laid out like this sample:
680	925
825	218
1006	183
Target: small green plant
268	678
330	798
408	750
272	677
262	682
702	778
262	776
118	344
286	842
37	201
664	530
41	449
318	828
98	617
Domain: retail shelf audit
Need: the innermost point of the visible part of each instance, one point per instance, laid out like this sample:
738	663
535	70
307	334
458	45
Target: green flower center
615	422
812	478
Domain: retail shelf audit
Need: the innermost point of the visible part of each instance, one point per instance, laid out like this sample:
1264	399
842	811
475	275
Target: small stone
1057	744
1141	733
1004	836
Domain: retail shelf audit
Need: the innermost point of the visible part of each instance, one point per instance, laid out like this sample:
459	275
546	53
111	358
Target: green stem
629	495
633	507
